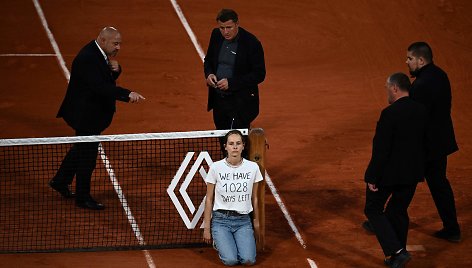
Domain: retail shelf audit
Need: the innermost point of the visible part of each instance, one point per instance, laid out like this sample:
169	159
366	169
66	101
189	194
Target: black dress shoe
399	260
63	189
90	204
448	235
366	225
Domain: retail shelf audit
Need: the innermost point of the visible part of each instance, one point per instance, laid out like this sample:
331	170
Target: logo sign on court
197	166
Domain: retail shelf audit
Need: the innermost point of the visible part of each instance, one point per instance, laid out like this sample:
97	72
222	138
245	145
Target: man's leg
374	210
66	172
222	117
397	210
441	191
86	160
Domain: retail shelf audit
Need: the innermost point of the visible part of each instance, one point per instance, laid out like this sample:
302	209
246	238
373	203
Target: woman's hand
257	231
207	236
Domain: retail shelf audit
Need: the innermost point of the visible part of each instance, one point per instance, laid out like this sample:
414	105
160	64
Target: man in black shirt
432	88
234	66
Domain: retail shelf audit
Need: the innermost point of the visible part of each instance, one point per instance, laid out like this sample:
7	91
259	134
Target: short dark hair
421	49
400	80
227	14
231	132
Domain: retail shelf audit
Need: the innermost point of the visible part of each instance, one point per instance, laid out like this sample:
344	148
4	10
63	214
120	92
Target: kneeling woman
231	197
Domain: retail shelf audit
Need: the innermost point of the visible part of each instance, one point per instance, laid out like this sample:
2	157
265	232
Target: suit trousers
441	191
227	115
80	162
390	222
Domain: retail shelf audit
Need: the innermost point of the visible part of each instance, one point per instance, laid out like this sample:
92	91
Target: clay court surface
326	61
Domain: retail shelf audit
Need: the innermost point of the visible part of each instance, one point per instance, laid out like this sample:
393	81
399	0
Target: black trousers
227	115
80	162
390	222
441	191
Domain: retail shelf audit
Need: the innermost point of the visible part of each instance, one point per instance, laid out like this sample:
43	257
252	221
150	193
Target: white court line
124	204
110	171
190	33
311	263
54	45
284	210
121	196
27	55
269	182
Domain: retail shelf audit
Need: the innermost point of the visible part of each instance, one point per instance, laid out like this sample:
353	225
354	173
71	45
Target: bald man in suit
395	168
88	107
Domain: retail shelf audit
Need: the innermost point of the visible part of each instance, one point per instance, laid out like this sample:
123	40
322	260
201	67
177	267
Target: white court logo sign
203	156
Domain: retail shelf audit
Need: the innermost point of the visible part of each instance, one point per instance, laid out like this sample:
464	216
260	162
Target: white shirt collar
101	50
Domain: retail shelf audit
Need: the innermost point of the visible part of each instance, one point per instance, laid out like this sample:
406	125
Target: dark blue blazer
89	103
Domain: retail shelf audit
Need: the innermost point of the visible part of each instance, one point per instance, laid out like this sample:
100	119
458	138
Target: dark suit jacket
398	149
90	99
249	71
432	88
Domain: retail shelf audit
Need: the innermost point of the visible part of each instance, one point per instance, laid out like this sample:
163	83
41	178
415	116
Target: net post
257	149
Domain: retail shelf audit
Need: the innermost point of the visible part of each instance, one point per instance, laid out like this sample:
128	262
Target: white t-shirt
233	185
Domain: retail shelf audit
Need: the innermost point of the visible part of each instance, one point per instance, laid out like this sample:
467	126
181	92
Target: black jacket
89	103
249	71
432	88
398	149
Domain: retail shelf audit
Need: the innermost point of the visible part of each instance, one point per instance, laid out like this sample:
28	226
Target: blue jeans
233	236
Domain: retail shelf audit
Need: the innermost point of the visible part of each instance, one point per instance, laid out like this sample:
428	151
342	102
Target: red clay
327	62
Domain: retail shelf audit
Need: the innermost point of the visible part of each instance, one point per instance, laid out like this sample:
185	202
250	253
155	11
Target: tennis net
151	184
